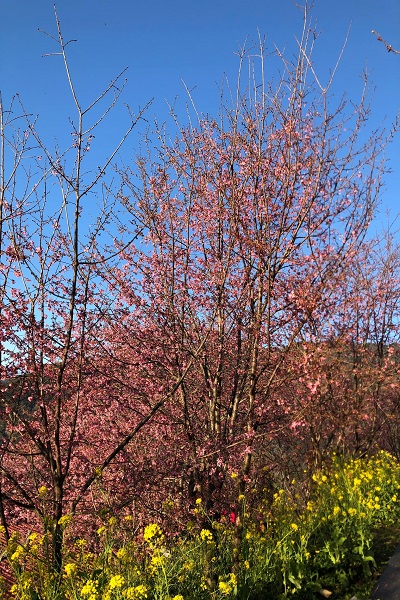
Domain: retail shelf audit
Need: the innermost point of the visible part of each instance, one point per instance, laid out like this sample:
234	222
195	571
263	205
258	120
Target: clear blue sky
163	42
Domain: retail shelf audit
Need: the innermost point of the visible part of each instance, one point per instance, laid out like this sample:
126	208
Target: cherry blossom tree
352	370
50	300
252	223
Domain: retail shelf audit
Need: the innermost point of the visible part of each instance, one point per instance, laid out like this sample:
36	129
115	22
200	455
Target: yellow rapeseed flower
224	588
206	535
65	520
152	531
70	569
233	579
136	593
89	589
19	553
157	560
116	582
189	565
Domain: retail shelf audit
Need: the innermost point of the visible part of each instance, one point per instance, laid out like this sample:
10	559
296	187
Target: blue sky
166	42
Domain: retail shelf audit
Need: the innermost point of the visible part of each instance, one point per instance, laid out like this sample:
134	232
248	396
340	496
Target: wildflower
294	526
70	569
224	588
233	579
43	491
128	518
178	597
112	520
246	564
138	592
121	553
234	475
65	520
152	531
157	560
198	501
241	497
101	530
116	582
206	535
19	553
89	589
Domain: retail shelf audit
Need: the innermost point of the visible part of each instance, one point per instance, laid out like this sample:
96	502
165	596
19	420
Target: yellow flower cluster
116	582
152	531
70	569
135	593
227	587
19	553
122	553
65	520
89	589
206	535
158	559
189	565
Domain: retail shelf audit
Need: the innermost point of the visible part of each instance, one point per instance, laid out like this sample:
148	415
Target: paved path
388	585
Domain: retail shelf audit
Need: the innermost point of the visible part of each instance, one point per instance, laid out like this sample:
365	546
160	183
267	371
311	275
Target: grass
385	541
